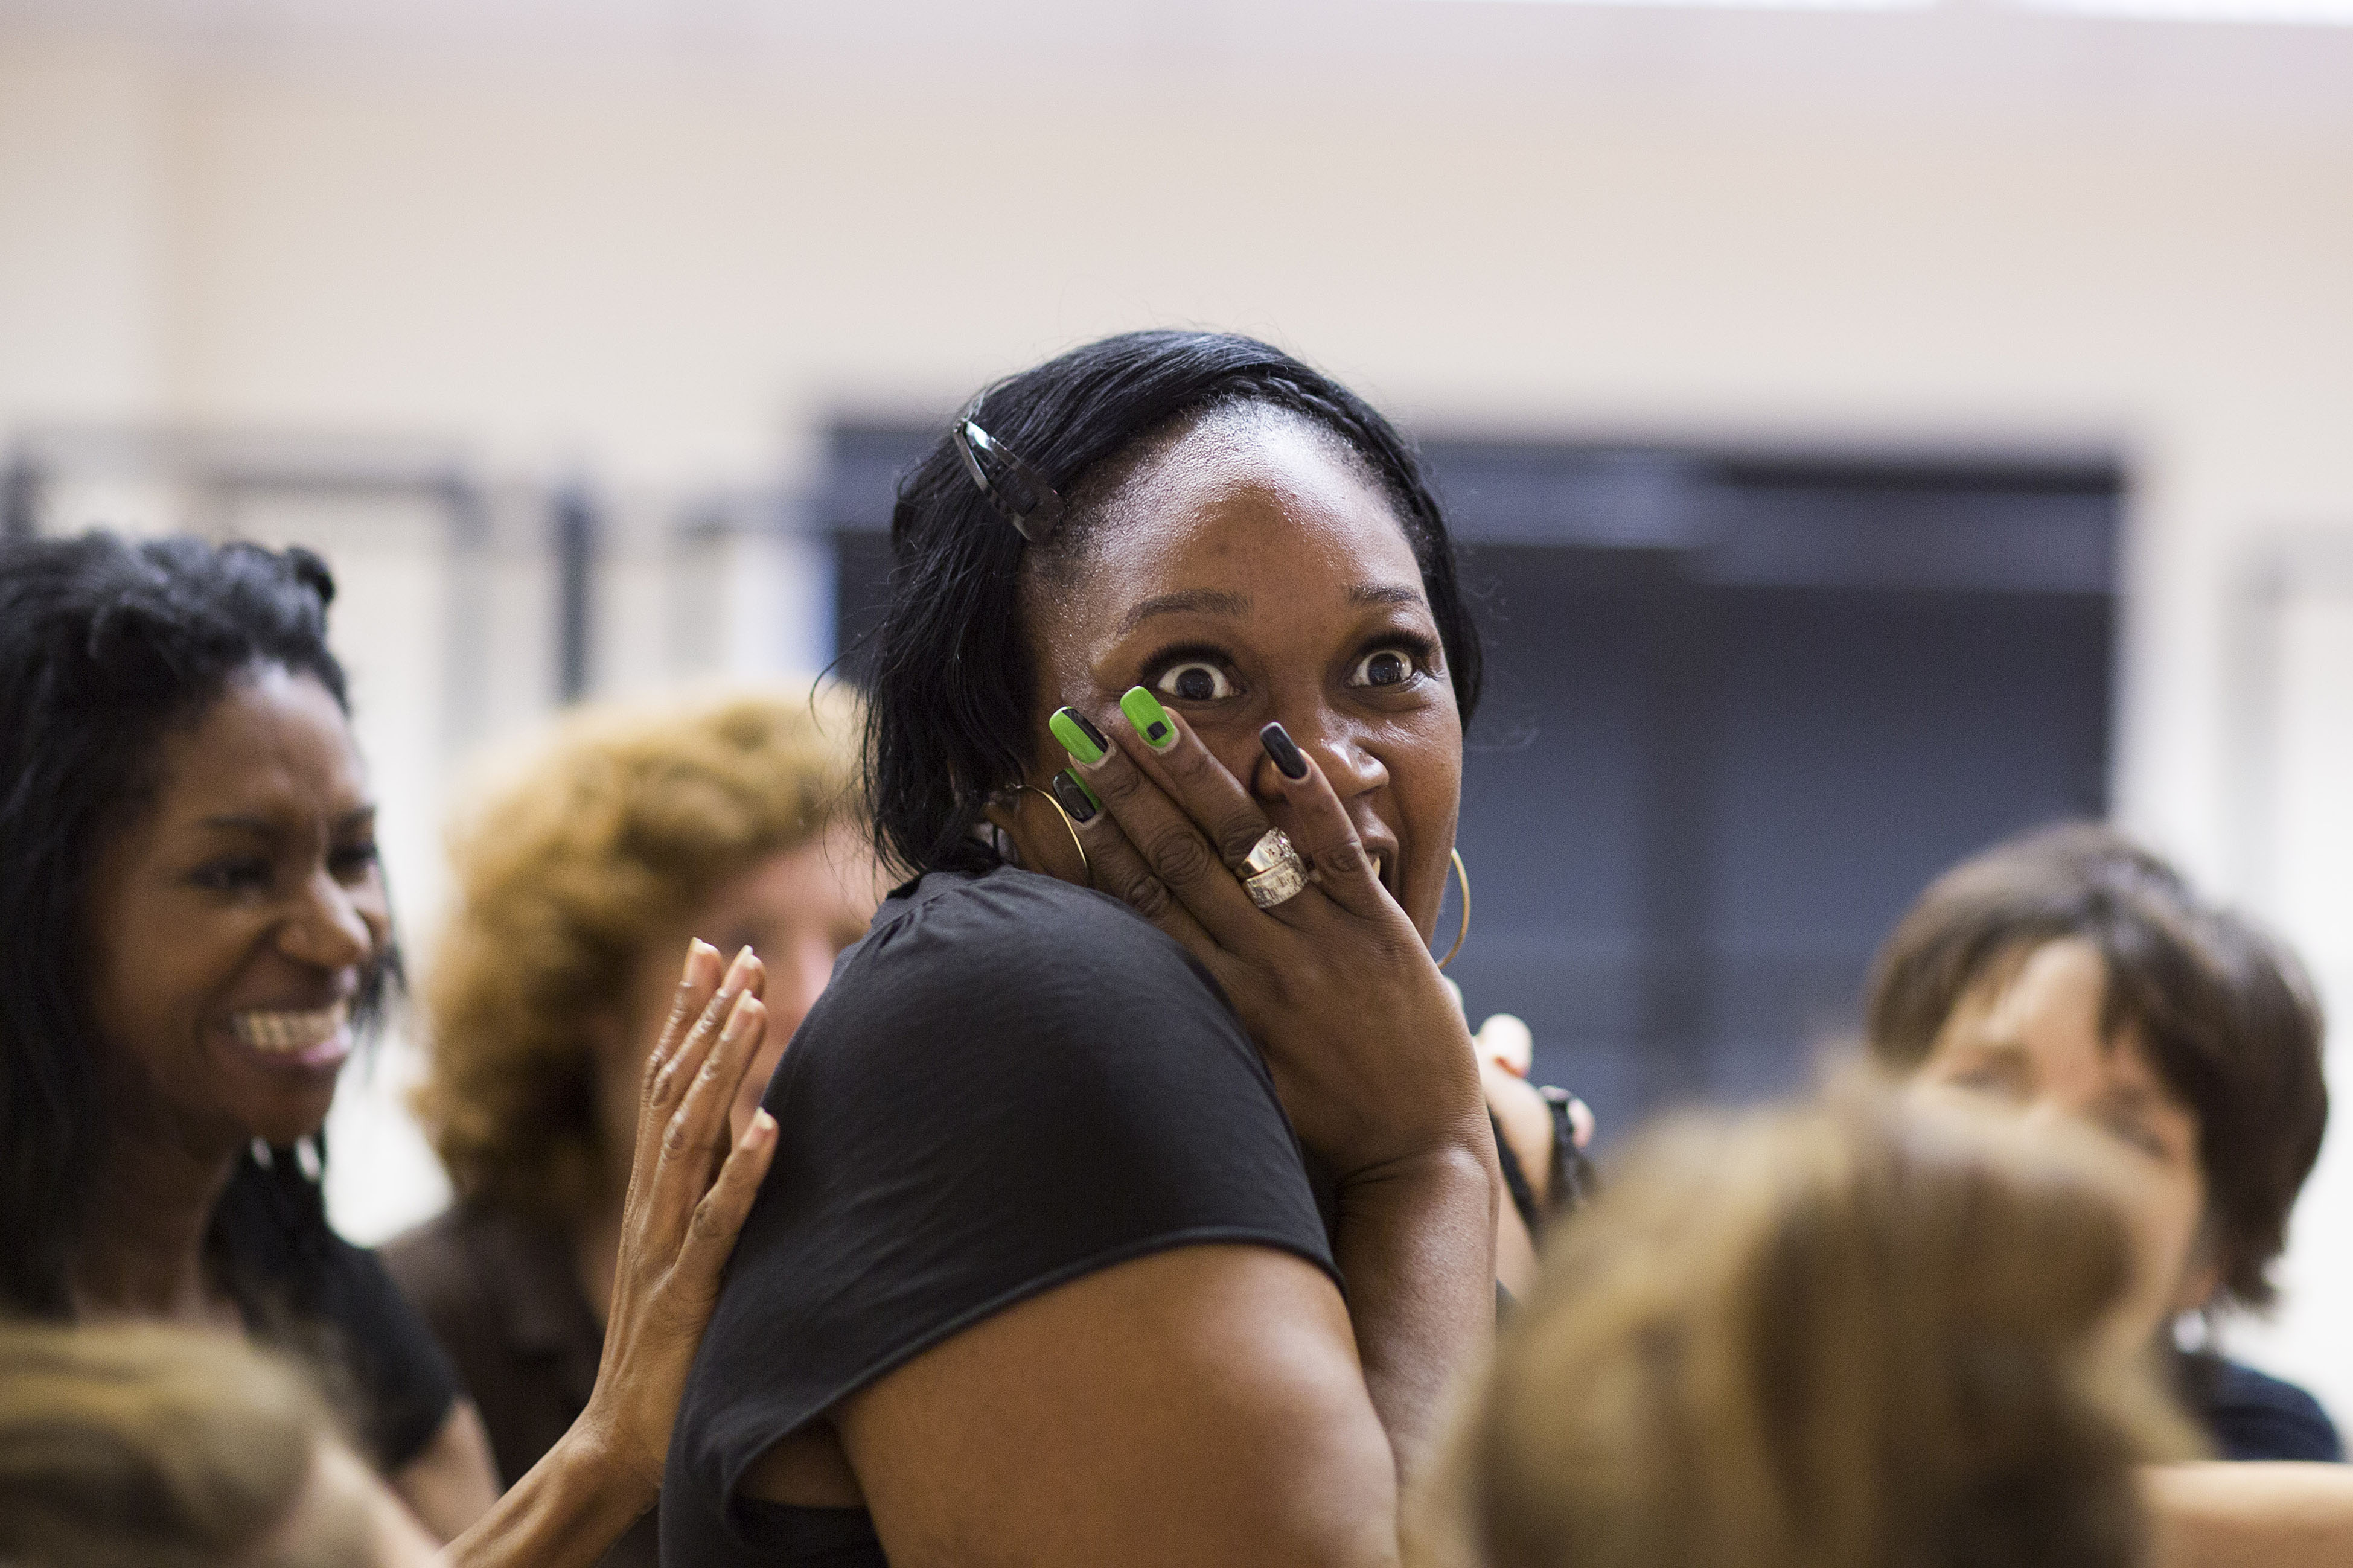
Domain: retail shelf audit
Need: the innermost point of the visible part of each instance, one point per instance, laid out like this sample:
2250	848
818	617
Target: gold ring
1283	880
1273	848
1275	872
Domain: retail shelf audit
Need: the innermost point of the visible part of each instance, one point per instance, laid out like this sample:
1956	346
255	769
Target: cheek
150	970
2178	1205
1427	778
2166	1215
373	904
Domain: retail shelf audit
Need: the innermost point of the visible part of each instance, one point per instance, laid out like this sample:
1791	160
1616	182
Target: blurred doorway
1739	710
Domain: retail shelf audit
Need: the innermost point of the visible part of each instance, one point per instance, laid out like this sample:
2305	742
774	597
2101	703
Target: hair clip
1019	491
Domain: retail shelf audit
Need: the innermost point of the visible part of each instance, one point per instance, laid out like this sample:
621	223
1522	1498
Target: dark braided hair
105	647
952	697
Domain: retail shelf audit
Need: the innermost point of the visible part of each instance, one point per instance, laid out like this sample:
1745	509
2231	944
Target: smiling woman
195	932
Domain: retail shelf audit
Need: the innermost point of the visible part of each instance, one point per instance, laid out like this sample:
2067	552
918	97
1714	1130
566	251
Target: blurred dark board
1740	708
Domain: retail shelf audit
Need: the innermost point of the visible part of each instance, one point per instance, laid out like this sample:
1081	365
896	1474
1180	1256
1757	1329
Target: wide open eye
1383	667
1195	680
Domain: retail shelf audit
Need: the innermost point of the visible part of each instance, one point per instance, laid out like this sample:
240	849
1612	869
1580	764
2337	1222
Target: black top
307	1291
2251	1415
502	1292
1010	1082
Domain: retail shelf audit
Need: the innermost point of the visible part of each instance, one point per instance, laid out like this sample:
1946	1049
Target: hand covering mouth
285	1033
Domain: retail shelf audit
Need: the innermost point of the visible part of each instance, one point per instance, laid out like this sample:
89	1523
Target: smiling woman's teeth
289	1032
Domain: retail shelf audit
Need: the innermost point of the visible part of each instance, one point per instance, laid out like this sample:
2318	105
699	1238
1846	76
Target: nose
330	930
1338	749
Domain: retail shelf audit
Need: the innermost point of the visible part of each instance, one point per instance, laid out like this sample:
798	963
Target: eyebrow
239	824
1193	601
1216	602
264	827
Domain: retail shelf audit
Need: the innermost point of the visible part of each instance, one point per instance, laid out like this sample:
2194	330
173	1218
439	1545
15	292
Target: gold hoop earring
1085	868
1463	877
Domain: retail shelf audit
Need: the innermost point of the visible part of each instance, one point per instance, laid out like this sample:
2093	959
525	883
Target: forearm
2218	1515
566	1512
1417	1248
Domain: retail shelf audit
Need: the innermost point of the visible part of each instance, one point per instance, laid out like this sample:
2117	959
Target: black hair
105	647
950	705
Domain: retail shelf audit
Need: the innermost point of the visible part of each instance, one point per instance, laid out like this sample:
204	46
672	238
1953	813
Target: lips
296	1037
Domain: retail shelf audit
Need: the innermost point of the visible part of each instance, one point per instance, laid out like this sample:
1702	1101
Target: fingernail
742	966
694	961
1284	752
762	1128
1079	738
738	1014
1076	797
1150	719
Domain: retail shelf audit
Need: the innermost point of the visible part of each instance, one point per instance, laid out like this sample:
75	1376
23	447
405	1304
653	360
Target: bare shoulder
2280	1515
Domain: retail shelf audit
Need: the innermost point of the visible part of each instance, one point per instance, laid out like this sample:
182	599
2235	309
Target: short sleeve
1010	1084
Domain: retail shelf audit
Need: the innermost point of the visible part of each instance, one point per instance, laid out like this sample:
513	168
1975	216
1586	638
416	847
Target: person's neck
143	1248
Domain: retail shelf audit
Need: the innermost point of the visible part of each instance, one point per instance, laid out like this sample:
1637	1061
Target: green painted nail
1150	719
1079	738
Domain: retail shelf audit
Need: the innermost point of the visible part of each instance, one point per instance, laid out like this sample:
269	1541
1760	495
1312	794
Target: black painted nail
1078	736
1076	797
1279	746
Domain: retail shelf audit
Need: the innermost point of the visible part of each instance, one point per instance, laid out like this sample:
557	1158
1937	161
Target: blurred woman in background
581	872
2074	976
195	937
1849	1335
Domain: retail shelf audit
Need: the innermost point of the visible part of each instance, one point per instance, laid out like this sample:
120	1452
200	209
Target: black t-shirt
308	1291
2251	1415
1010	1083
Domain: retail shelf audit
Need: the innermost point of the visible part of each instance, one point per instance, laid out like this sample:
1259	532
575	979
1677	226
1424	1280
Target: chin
287	1121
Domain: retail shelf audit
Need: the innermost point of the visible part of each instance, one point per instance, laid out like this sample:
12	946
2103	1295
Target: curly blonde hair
574	855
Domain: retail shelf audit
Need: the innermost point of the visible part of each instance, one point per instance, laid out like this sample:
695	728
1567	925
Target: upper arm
2218	1514
451	1482
1201	1404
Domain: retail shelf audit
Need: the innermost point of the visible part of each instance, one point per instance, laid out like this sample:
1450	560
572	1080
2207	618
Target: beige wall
665	266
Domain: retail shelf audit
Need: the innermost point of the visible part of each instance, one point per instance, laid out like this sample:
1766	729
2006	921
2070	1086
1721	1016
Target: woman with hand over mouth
1139	1203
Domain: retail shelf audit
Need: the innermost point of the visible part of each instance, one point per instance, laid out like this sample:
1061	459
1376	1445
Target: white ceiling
1988	53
